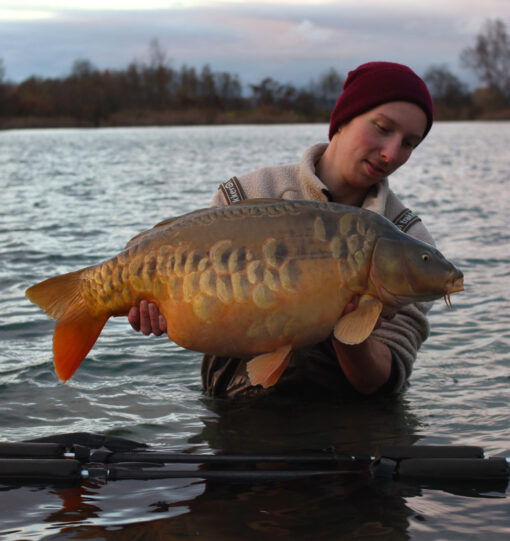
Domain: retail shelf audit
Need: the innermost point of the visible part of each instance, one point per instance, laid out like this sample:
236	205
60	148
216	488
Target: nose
391	150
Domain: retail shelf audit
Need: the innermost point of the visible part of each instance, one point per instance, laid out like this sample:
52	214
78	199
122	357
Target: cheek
362	144
371	140
404	155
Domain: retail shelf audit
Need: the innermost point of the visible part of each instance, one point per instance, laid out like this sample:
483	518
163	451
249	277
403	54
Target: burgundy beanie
375	83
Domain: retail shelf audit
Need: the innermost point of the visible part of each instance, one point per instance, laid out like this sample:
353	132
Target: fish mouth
456	285
453	286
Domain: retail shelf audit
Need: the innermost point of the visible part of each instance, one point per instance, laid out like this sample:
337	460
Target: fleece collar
313	188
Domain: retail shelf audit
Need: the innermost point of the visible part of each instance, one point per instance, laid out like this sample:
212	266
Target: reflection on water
333	507
74	197
336	507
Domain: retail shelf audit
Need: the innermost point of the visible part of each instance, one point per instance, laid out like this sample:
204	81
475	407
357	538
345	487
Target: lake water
71	198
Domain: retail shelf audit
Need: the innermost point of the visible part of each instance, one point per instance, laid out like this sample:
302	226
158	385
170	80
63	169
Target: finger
349	307
162	323
145	320
154	317
134	317
352	305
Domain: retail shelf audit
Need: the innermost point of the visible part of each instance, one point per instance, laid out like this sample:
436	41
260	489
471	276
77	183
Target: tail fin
76	330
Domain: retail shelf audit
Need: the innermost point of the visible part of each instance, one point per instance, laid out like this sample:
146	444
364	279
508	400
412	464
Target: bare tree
330	87
489	58
228	87
159	77
266	92
157	56
3	87
82	68
445	87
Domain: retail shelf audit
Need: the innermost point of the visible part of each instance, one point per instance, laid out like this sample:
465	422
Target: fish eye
425	257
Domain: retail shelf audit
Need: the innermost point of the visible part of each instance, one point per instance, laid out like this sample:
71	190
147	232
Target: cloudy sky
290	40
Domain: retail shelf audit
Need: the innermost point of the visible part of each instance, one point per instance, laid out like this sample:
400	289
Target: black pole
117	458
189	458
399	452
16	470
117	474
458	469
31	450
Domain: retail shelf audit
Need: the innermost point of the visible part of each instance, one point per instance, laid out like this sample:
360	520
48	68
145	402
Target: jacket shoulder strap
406	219
233	191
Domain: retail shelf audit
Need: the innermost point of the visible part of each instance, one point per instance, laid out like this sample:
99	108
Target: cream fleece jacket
409	328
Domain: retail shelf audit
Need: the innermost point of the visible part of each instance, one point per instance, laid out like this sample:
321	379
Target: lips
375	170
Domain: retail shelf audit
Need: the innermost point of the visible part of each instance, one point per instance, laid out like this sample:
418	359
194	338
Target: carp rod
76	457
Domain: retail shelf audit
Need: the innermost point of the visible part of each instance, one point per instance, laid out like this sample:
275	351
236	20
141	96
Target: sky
292	41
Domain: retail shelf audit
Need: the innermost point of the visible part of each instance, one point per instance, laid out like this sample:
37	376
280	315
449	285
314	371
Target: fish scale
261	277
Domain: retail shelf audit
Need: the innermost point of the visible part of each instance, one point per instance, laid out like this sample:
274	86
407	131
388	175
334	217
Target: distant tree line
489	59
156	93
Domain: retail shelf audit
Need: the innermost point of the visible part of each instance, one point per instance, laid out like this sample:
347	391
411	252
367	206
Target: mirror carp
258	278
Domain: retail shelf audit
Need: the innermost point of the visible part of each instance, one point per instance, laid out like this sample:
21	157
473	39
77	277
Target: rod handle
462	469
31	450
27	469
399	452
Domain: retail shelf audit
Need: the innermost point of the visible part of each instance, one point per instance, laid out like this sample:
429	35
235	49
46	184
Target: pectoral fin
356	326
267	368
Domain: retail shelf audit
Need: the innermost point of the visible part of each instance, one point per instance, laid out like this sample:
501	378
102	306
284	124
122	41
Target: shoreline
197	117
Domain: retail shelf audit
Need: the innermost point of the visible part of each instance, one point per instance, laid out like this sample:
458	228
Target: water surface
71	198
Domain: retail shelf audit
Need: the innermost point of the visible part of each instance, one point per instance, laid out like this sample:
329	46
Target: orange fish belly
250	318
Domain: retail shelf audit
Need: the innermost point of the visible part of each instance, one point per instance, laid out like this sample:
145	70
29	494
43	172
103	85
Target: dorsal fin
141	236
258	200
161	225
149	232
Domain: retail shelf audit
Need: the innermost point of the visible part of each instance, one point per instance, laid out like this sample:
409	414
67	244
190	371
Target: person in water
383	113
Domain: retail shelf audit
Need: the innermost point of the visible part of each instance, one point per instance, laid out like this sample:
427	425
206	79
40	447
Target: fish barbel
258	278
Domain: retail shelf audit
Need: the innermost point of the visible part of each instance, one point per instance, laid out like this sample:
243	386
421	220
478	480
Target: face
374	144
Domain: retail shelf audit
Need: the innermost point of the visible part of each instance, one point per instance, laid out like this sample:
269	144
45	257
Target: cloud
312	33
291	41
9	14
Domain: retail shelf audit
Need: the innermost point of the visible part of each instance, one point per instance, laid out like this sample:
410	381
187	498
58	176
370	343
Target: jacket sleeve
404	334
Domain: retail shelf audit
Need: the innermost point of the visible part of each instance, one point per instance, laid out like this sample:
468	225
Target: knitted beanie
375	83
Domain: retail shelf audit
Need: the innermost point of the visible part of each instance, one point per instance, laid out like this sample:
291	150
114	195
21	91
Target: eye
425	257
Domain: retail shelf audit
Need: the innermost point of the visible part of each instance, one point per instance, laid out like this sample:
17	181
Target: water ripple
75	197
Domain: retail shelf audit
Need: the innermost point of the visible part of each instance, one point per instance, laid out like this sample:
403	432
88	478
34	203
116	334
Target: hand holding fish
147	319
